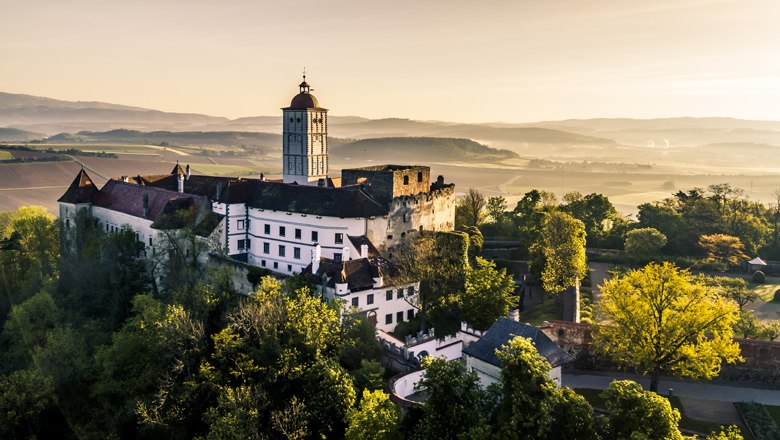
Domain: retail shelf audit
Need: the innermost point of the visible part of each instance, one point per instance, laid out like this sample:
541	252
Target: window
337	257
262	263
389	295
370	298
150	241
267	229
240	225
248	221
281	251
389	318
314	236
355	301
399	317
419	176
410	314
276	265
389	237
298	120
266	248
297	234
410	291
67	225
339	238
289	268
297	253
248	243
241	244
106	227
406	180
282	231
400	294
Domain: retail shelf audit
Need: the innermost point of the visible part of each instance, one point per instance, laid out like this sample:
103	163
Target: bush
758	419
256	273
759	277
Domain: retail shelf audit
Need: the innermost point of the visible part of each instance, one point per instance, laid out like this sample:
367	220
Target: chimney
440	180
363	251
345	254
180	179
316	254
514	314
187	173
125	179
146	205
262	177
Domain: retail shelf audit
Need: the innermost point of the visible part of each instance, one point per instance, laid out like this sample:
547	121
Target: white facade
490	374
304	139
388	305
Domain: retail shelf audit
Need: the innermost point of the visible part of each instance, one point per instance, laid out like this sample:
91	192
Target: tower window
406	180
298	120
291	119
419	176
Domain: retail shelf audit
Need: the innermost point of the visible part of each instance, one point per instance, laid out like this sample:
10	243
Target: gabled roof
359	273
81	190
757	262
502	331
359	240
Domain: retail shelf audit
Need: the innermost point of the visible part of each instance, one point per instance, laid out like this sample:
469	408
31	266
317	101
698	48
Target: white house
481	358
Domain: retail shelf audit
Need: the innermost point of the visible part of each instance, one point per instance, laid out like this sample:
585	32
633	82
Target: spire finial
304	73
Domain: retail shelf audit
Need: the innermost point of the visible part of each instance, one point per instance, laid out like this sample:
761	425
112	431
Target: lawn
774	411
6	155
766	291
547	310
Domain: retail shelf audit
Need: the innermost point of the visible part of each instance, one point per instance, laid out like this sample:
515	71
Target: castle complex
338	229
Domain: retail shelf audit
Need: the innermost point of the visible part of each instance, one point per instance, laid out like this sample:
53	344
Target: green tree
558	256
375	417
26	399
496	208
470	210
644	244
731	432
735	289
438	260
639	414
455	399
489	294
725	249
595	211
532	406
660	321
329	394
369	376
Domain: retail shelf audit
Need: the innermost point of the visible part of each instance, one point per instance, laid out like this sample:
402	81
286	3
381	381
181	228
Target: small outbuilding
481	357
756	264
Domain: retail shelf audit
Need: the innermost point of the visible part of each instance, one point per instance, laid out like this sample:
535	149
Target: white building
481	358
281	225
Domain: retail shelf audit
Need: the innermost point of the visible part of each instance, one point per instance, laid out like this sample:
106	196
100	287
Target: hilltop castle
338	229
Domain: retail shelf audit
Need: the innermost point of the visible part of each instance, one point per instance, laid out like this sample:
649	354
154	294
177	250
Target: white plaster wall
488	374
236	212
118	219
404	386
451	347
326	228
381	305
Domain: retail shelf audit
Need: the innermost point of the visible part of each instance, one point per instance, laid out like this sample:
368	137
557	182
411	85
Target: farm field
43	183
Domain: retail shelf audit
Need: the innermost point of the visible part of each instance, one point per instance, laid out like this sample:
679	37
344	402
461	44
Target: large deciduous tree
636	413
558	256
644	244
488	295
470	210
658	320
724	249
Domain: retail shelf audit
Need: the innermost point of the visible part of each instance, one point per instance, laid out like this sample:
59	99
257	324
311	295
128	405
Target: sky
453	60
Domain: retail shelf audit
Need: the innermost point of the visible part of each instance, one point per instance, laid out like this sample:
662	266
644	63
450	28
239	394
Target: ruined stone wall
430	211
386	182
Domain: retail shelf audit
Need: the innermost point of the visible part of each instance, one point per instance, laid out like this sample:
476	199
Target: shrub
759	277
758	419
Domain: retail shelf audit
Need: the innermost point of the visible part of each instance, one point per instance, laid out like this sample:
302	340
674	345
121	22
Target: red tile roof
82	190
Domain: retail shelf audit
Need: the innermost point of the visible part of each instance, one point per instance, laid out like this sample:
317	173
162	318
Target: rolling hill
419	149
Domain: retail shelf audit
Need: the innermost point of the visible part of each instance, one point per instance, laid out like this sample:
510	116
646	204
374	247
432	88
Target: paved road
598	274
705	391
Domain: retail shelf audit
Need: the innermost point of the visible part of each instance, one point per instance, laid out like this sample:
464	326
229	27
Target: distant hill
46	114
17	135
260	142
418	149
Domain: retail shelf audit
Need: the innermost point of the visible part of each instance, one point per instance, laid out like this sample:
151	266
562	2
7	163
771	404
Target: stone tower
304	139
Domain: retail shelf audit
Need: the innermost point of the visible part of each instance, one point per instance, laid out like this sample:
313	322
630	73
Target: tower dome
304	99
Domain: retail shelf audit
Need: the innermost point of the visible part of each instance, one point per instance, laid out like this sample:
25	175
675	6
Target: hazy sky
514	61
